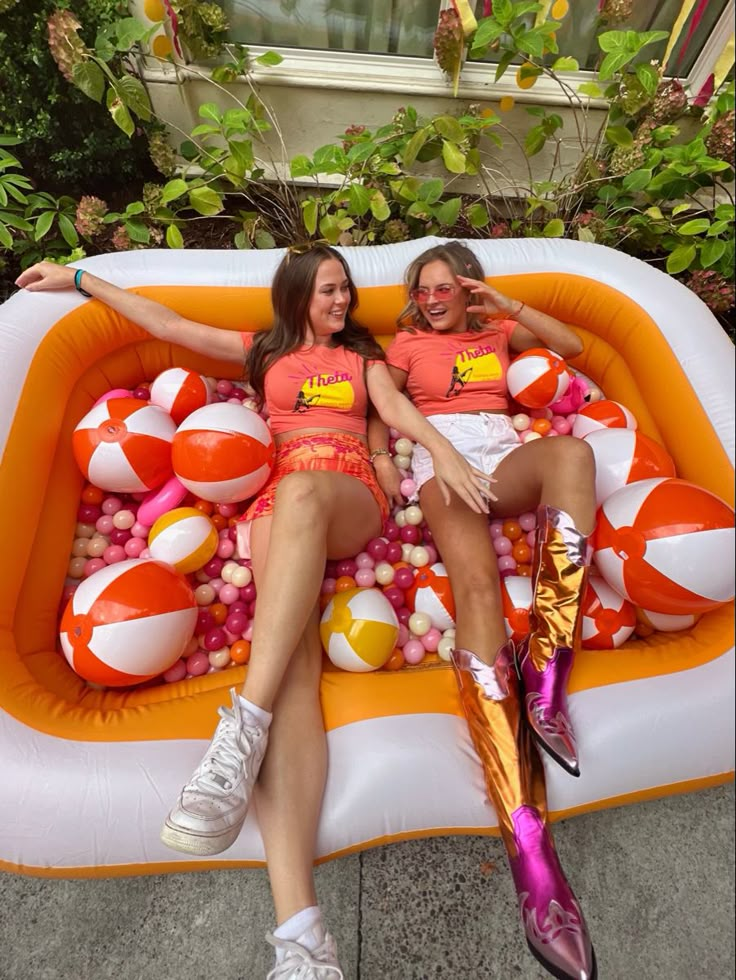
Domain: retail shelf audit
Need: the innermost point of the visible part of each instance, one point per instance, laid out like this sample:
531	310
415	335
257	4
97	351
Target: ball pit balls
359	629
667	545
608	620
431	593
516	600
623	456
537	378
185	538
663	623
128	623
124	444
223	452
179	392
605	414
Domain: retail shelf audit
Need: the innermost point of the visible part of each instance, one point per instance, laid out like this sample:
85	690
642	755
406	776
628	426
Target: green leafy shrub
67	143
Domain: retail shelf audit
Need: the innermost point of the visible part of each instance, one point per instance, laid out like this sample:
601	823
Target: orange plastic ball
240	652
542	426
344	583
395	661
205	506
92	494
219	521
525	570
512	530
218	611
522	553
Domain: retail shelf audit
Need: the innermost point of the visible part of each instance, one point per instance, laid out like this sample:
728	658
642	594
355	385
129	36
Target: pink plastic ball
111	505
88	513
365	578
528	521
394	552
364	560
328	586
502	545
248	592
225	548
561	425
114	554
404	578
204	621
496	529
214	639
232	533
552	433
177	672
506	563
410	534
224	387
134	547
93	565
104	524
407	488
391	530
198	663
404	615
140	530
236	623
227	510
248	632
431	640
427	534
228	593
376	548
395	596
346	567
118	536
432	552
413	652
213	567
403	636
531	538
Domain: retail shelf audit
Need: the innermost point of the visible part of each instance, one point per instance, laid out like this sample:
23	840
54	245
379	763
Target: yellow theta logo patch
327	391
477	364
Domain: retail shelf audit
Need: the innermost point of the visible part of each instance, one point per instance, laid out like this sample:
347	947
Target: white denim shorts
483	439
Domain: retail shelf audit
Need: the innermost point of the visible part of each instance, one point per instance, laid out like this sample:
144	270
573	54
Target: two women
322	501
454	327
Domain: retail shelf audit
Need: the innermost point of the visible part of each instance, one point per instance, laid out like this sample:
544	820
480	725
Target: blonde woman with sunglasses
451	354
322	501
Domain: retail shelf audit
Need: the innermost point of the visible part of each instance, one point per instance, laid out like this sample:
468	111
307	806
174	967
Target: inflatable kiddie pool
87	776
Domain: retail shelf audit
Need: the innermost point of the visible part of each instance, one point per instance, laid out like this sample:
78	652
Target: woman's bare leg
465	545
317	515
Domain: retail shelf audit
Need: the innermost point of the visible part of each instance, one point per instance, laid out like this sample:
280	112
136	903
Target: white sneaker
299	963
212	806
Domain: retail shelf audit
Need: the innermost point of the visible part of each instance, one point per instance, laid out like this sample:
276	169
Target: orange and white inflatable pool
88	775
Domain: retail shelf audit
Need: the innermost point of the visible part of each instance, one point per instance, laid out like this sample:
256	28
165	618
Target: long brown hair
291	295
462	262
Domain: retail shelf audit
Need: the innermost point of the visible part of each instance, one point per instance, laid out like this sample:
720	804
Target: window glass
404	27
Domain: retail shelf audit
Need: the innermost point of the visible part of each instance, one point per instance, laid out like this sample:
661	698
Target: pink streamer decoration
696	18
171	14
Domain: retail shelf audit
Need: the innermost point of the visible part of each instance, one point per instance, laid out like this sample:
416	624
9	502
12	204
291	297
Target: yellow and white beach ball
185	538
359	630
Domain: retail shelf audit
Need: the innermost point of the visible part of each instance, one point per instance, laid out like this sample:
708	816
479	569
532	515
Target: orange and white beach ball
662	623
623	456
538	377
128	622
124	444
430	593
184	537
223	452
180	392
359	629
608	620
605	414
516	597
667	545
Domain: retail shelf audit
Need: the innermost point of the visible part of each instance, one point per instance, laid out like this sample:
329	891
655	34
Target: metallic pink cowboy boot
554	925
544	658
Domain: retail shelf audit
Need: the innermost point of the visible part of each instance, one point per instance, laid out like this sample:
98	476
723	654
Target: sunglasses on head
423	295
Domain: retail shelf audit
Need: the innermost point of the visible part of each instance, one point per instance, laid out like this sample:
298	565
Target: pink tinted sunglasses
423	295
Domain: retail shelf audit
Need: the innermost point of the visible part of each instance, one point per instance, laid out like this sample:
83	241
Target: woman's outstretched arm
452	471
156	319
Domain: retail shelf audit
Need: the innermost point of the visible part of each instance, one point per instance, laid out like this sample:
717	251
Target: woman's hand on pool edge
46	275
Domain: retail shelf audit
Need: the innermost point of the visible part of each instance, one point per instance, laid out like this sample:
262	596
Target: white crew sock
304	927
262	716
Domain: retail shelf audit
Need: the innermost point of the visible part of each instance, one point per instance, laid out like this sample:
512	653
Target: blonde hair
461	261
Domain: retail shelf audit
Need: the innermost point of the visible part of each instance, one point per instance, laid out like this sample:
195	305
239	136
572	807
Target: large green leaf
453	157
359	199
619	136
694	227
119	112
310	212
379	208
43	224
637	180
173	189
412	148
554	228
449	128
205	200
711	252
173	237
681	259
68	231
89	78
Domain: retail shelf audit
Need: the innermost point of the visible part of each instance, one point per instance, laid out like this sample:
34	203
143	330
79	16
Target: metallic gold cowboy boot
544	658
553	922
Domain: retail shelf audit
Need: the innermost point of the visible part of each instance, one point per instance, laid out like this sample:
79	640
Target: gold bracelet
377	452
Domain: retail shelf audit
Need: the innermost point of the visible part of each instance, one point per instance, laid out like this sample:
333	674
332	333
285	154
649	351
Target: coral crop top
459	372
316	387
